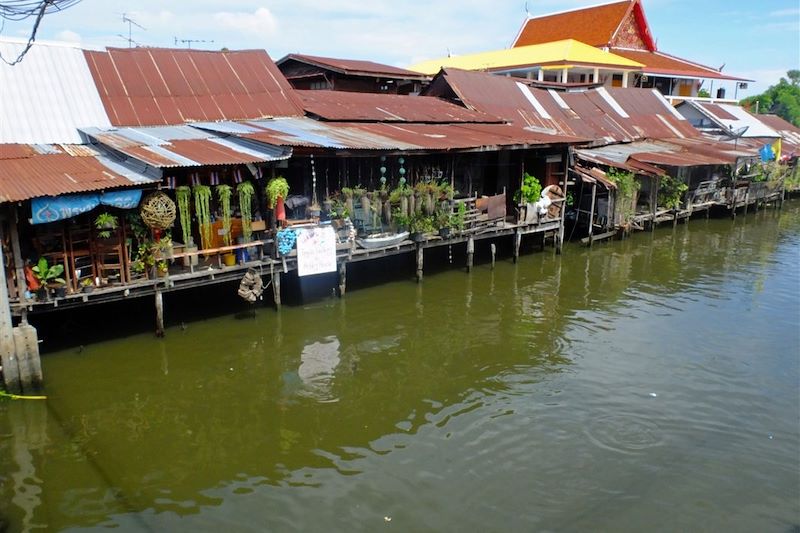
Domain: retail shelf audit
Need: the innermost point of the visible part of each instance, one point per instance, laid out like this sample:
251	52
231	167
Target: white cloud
69	36
262	21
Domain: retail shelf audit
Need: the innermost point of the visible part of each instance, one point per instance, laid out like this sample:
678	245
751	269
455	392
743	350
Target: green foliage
703	93
202	199
339	208
47	274
782	99
183	194
626	190
670	192
277	186
399	219
458	219
530	192
224	195
106	222
421	223
359	191
246	191
347	191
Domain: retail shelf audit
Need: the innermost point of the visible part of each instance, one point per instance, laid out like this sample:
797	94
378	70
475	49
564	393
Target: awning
52	208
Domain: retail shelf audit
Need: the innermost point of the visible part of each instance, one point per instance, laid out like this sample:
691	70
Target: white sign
316	251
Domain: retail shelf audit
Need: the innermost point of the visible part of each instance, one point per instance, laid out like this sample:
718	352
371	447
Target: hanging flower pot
280	209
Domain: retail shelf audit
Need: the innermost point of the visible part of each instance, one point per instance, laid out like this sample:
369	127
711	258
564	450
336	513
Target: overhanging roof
308	133
52	170
354	67
562	52
183	146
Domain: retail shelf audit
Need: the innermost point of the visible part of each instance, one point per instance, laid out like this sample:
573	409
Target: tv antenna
131	23
188	42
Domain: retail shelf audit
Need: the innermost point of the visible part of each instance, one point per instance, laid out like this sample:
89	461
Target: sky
754	40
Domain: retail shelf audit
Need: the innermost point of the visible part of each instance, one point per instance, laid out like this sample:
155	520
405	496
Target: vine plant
246	192
183	194
670	192
224	196
627	187
202	199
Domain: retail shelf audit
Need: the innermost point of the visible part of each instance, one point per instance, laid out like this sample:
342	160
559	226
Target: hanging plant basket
158	211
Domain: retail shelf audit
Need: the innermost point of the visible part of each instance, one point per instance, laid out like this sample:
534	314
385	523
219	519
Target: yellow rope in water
18	397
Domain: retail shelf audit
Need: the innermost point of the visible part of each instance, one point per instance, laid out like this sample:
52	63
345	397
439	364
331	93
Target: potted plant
420	224
202	208
277	191
106	223
46	275
400	220
348	198
87	285
441	222
459	218
527	195
162	268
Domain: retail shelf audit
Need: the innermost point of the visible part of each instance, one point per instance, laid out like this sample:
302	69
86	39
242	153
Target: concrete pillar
565	75
596	75
625	79
470	253
517	244
540	74
494	253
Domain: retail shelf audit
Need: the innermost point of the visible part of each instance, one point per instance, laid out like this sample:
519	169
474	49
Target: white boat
382	240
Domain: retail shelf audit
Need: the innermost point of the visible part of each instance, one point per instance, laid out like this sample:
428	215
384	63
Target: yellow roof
568	52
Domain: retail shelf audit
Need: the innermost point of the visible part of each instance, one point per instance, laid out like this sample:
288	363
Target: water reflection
522	387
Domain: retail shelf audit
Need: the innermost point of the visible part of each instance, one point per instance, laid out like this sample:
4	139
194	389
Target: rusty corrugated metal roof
355	67
57	173
603	115
352	107
159	86
788	131
308	133
15	151
660	63
183	146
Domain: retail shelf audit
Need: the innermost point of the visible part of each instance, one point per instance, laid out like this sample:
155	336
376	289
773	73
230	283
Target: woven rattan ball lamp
158	211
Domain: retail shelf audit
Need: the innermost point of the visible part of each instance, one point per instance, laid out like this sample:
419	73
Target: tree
18	10
782	99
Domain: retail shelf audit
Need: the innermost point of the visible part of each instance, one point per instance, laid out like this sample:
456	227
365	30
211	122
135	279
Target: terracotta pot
280	209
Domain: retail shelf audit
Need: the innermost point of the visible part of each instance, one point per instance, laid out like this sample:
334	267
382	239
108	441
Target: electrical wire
18	10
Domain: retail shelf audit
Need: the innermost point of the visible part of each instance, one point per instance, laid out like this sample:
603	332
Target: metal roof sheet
673	152
733	117
59	173
48	96
354	67
788	131
352	106
561	52
158	86
603	115
305	132
183	146
660	63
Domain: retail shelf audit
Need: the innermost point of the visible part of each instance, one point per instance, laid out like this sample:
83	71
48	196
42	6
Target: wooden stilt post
276	287
517	244
674	218
656	183
746	199
342	278
159	314
494	251
8	350
470	253
419	261
19	266
591	213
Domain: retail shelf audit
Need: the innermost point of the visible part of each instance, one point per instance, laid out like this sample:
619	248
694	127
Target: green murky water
647	385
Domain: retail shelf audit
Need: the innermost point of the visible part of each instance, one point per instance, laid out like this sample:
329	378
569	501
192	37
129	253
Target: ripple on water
624	433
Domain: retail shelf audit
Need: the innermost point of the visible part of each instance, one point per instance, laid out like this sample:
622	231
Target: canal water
645	385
